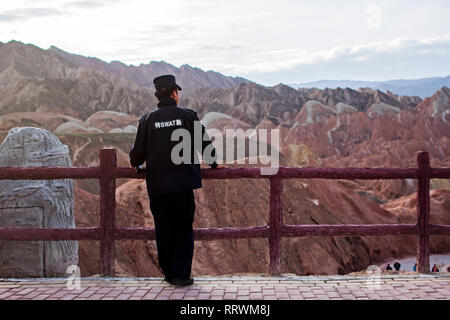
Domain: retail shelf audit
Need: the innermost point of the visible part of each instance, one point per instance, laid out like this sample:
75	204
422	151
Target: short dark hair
164	92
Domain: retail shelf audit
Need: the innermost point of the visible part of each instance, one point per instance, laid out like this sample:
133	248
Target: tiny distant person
170	183
448	269
435	268
397	265
388	267
415	267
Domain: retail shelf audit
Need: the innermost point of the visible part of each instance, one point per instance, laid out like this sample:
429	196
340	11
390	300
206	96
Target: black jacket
154	146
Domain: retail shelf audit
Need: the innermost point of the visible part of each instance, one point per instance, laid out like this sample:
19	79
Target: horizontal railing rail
107	233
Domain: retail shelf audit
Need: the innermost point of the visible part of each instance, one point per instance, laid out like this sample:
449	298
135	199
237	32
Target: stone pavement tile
40	289
131	289
86	294
93	287
165	293
318	291
304	289
105	290
308	295
333	294
24	291
265	287
322	297
269	292
216	297
176	296
12	297
96	296
149	296
138	293
40	297
113	293
348	297
218	292
359	294
290	287
192	293
329	288
281	295
203	296
255	289
68	297
243	292
31	295
231	289
256	296
230	295
304	284
75	291
58	294
344	291
183	289
272	298
156	289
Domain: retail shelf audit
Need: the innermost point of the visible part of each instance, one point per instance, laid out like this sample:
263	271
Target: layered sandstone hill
32	79
229	204
90	104
190	78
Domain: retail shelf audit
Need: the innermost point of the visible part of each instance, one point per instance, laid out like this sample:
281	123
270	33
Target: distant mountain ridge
34	79
190	78
423	88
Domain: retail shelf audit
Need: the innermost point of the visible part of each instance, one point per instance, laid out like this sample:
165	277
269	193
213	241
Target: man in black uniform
170	184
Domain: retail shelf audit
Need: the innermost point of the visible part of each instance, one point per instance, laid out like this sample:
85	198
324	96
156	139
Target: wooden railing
107	233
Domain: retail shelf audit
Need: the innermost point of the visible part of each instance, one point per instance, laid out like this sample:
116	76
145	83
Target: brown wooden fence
107	233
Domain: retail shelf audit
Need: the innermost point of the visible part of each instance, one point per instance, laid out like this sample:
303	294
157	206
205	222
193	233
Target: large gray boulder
36	203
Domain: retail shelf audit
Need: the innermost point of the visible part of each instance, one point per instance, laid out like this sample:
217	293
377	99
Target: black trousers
173	214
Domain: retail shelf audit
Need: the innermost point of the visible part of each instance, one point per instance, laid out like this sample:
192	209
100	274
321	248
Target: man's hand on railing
221	166
139	169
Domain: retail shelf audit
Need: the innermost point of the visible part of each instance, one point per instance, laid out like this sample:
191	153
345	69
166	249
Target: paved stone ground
237	288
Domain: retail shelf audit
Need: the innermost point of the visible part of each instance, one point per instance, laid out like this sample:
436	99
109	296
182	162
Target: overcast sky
267	41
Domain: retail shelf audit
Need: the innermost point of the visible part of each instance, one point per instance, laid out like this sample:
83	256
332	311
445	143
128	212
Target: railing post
423	212
108	161
275	222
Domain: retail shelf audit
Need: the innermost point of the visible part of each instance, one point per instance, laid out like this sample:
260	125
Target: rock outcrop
35	203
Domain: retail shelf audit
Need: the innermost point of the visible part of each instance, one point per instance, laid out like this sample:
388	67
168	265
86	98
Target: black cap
166	81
